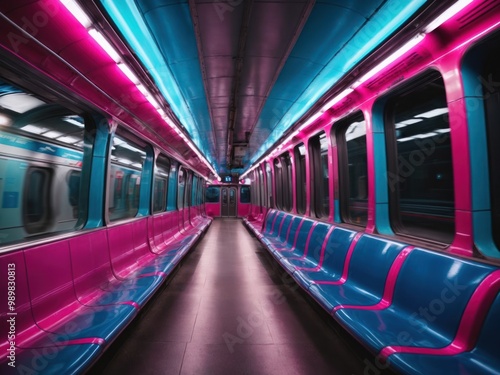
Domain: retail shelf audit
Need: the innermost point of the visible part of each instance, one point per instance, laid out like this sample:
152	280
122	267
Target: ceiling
237	74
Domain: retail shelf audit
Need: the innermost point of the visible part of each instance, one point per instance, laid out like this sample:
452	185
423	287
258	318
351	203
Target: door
228	202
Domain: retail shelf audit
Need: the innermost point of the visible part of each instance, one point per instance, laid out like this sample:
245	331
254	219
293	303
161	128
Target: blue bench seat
331	265
430	294
308	254
367	272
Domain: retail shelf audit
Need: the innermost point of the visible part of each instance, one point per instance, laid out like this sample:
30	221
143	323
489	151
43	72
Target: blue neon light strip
192	113
304	80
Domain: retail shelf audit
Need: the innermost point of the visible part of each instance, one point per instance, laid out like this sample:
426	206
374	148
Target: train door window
172	190
245	194
127	161
37	202
232	197
181	183
269	185
353	173
278	179
300	178
224	202
160	188
320	180
420	171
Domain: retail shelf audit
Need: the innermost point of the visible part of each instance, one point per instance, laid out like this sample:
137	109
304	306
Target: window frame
317	181
344	175
46	199
167	167
392	154
300	179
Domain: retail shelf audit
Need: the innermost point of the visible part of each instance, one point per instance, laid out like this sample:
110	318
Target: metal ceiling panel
272	32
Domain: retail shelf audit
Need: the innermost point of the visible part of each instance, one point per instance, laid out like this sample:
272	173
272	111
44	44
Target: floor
230	310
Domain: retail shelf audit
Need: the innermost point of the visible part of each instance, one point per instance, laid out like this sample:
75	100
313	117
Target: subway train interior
250	187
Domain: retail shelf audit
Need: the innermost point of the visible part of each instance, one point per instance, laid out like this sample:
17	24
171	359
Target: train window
161	184
181	182
269	184
194	191
490	76
187	192
278	178
353	186
127	161
253	186
261	188
245	194
41	158
283	183
320	180
212	194
420	173
287	182
37	202
172	188
74	178
300	178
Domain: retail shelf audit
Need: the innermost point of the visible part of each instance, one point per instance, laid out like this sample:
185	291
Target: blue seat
430	294
299	239
311	251
368	269
270	219
56	360
105	322
289	236
280	236
483	359
333	259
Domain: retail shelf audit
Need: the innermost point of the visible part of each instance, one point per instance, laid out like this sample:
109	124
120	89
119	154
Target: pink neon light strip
470	325
347	261
322	254
390	284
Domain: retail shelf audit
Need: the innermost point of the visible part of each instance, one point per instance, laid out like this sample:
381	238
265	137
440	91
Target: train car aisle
228	311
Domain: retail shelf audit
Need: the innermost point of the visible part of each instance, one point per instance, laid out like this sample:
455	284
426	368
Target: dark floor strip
230	310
